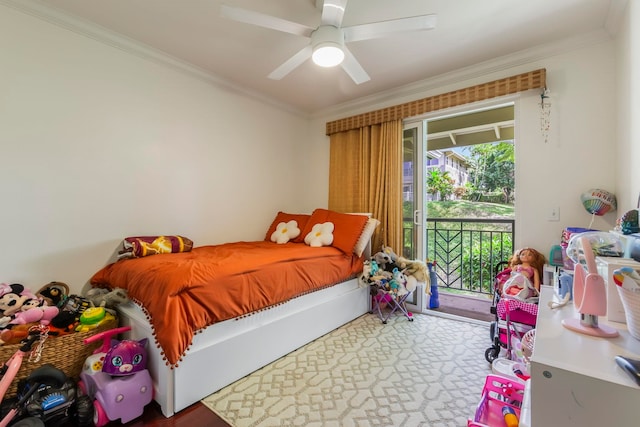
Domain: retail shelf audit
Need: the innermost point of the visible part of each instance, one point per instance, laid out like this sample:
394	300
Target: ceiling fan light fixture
327	54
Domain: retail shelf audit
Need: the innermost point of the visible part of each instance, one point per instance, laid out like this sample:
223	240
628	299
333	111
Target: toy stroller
513	318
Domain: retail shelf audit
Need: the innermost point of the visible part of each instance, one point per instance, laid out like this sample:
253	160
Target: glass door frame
416	131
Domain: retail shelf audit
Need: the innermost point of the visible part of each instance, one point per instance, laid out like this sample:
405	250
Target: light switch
554	214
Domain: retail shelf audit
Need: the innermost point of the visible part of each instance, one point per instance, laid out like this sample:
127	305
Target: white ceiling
468	32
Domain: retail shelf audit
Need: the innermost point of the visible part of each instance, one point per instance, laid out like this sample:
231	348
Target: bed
217	313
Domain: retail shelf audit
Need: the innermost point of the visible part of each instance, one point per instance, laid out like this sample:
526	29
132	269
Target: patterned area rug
429	372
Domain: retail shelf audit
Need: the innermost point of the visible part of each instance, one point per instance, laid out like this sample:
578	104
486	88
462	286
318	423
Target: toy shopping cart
500	403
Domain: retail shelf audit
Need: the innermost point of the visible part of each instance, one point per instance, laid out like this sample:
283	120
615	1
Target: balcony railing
466	251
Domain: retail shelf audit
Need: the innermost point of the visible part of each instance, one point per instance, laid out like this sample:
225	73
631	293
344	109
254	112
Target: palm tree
440	184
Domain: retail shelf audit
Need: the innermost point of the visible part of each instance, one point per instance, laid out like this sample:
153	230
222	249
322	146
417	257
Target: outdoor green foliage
467	209
491	171
466	252
440	184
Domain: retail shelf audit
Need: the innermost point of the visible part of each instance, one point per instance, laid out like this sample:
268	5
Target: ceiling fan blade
292	63
353	67
333	12
382	28
266	21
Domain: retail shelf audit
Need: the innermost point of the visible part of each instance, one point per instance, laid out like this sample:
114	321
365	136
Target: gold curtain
365	175
365	171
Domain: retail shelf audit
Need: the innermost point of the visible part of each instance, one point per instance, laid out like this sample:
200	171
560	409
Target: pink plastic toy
115	376
589	297
498	393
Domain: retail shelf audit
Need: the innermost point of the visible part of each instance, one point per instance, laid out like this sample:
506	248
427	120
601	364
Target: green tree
492	168
439	184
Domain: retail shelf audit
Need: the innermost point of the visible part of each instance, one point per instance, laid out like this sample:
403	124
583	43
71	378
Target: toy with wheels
500	403
50	396
25	408
115	376
46	395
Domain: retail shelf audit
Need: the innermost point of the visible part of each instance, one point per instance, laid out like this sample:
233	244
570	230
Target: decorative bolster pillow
136	247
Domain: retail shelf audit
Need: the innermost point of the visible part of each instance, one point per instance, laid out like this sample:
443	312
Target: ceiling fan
327	46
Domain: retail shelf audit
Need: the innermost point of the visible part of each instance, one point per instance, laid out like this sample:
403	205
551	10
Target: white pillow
285	231
365	237
320	235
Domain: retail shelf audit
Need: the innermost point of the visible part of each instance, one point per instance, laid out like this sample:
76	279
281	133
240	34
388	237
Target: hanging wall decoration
545	114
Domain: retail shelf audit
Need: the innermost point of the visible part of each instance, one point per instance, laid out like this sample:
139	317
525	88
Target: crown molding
382	99
417	90
136	48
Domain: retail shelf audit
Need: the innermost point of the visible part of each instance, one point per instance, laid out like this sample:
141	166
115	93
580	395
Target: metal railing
466	251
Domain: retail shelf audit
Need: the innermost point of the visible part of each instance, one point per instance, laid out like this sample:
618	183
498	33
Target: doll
524	280
530	263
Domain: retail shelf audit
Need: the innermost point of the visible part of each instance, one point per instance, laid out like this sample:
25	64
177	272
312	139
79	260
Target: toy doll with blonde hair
526	272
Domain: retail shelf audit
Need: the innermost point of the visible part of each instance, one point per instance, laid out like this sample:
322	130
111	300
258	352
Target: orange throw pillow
347	227
301	219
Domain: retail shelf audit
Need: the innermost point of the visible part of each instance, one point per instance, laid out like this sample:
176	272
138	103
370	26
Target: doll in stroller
515	300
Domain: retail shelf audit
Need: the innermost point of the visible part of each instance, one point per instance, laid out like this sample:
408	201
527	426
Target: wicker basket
66	353
631	303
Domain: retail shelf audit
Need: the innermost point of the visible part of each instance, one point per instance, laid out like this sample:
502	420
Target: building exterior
444	161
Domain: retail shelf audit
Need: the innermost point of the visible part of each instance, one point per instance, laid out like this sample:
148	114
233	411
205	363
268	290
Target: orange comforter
185	292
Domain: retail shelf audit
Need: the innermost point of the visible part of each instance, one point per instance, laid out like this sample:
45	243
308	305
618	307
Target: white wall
581	152
97	144
628	124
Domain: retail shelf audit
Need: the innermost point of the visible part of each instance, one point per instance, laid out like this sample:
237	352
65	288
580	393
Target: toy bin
499	394
66	352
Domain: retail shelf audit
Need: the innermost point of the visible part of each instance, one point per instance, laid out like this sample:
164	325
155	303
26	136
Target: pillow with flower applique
347	227
285	232
284	217
320	235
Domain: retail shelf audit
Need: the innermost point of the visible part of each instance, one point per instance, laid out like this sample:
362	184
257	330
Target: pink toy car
115	376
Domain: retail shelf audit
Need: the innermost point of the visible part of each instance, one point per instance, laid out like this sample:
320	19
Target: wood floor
196	415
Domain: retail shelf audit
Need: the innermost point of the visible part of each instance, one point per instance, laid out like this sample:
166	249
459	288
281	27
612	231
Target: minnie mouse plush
19	306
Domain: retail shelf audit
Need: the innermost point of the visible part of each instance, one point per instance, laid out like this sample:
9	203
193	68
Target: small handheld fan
589	297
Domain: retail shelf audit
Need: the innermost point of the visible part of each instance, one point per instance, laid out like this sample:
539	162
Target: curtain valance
519	83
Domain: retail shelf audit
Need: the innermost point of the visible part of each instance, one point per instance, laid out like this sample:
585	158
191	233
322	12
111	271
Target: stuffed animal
19	307
365	277
390	253
34	310
106	298
397	283
384	261
415	268
12	297
15	334
54	293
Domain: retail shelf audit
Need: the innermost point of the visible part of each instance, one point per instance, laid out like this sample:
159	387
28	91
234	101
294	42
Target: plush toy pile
393	274
51	307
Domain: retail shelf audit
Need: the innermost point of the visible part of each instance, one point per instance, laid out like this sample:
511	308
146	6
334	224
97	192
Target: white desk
575	380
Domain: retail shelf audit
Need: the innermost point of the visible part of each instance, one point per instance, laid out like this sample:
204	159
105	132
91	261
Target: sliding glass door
413	203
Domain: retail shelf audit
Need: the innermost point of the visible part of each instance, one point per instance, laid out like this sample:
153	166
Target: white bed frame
227	351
